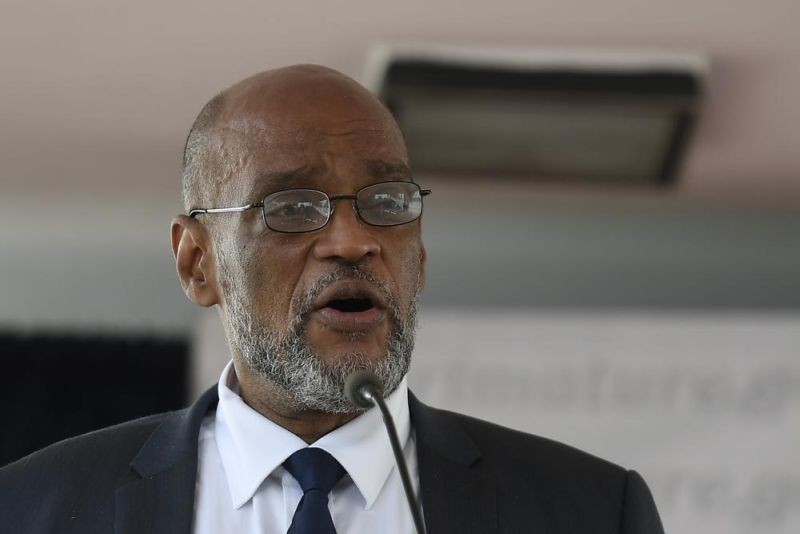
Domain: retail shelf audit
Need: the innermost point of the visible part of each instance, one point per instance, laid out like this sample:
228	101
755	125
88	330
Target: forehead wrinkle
349	132
249	126
299	137
306	136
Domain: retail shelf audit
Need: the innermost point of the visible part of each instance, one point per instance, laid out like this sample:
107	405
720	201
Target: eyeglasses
294	211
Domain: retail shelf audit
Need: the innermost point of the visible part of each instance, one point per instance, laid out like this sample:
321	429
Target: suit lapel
457	494
163	503
161	498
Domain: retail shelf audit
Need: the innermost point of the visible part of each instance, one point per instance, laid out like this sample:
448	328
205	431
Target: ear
195	260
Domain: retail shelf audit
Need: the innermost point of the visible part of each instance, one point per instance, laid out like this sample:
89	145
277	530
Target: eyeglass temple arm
198	211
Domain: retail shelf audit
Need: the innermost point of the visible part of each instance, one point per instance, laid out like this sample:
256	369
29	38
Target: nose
346	238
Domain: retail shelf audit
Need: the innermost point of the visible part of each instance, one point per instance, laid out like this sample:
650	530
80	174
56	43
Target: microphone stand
370	393
364	390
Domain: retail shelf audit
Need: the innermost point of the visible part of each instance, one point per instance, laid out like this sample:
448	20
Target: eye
388	203
302	210
290	209
297	210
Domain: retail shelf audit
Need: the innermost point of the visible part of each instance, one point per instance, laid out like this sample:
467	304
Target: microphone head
359	382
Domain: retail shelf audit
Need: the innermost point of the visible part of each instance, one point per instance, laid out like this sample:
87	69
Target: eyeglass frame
422	192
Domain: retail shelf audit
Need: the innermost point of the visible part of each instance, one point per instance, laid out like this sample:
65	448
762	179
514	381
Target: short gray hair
200	160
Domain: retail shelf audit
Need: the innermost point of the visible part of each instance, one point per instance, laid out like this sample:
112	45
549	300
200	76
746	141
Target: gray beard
295	368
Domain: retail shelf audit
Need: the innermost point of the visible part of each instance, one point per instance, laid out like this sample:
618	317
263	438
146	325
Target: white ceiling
96	96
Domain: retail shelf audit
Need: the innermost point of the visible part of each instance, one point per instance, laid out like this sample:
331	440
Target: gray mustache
344	272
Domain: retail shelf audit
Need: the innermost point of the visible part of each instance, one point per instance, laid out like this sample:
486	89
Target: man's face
329	301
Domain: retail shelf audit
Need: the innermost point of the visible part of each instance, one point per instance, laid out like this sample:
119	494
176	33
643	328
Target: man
303	229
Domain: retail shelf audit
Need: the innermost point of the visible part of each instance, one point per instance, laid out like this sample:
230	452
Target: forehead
278	137
321	133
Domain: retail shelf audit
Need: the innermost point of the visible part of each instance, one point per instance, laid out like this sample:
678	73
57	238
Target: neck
274	404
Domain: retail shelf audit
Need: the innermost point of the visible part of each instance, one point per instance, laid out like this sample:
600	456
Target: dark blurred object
58	386
602	118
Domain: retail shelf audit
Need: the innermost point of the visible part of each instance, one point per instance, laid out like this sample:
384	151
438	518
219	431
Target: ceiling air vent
599	117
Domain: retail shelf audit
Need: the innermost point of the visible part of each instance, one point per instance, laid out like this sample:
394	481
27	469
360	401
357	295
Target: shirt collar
252	447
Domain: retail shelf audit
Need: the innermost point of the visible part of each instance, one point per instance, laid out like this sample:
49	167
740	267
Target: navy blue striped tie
317	472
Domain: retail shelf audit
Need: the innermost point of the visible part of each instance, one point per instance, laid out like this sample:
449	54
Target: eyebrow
280	179
381	169
277	180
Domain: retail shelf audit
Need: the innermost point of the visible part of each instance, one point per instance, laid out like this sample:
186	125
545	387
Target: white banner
706	406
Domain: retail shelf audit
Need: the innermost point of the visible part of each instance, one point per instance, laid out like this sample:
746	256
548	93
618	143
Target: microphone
365	390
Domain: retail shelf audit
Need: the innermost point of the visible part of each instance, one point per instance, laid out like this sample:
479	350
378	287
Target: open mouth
350	305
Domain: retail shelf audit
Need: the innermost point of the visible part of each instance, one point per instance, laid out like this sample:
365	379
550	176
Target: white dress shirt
242	487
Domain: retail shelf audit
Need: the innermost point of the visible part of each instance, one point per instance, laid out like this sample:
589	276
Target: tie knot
314	469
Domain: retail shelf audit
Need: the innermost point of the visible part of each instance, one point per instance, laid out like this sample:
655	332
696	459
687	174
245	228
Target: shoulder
516	452
82	469
99	448
537	478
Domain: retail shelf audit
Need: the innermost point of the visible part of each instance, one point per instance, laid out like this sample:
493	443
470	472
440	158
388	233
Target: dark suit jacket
475	477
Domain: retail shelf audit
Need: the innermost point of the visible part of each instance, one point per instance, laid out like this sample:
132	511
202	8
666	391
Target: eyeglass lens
306	210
